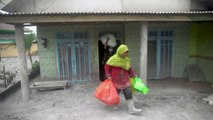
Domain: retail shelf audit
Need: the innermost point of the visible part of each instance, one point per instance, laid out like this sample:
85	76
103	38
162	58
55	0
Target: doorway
102	52
160	54
73	57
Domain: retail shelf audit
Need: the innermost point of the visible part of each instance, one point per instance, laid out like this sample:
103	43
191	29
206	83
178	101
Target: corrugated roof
59	17
105	13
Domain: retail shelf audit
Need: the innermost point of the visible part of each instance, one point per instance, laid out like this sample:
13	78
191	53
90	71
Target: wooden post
4	77
23	62
143	52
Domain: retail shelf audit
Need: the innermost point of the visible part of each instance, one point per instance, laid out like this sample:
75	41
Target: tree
28	41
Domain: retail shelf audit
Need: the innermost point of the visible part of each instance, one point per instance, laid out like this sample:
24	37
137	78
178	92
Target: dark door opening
101	55
104	54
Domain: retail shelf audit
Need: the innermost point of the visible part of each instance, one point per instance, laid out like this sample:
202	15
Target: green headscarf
117	61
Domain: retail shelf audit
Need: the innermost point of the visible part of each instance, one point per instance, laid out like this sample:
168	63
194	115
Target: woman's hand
109	78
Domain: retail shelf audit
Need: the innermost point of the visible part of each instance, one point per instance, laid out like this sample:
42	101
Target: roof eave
16	18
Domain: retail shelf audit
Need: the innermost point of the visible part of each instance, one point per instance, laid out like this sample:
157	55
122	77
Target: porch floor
169	99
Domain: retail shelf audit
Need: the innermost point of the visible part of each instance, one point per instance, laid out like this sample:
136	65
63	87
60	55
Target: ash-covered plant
35	65
6	77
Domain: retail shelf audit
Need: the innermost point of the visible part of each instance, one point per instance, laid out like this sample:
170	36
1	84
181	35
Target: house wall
156	5
131	37
47	56
198	5
202	5
181	49
181	44
4	26
201	48
132	40
97	5
7	41
10	50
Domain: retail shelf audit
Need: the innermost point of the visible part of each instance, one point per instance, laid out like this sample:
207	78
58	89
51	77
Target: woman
118	69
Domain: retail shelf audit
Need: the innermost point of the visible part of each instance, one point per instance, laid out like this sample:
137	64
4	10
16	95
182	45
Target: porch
168	99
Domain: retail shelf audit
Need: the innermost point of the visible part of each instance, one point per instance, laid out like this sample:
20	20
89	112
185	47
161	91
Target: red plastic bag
107	93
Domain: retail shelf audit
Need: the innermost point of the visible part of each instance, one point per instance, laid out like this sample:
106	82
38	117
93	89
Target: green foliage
28	40
35	65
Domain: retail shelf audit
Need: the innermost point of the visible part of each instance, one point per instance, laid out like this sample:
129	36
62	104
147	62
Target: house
163	38
8	42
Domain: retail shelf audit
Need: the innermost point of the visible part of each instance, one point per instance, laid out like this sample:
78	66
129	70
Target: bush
7	77
35	65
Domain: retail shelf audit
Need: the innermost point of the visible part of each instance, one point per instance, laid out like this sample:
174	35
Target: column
23	62
143	51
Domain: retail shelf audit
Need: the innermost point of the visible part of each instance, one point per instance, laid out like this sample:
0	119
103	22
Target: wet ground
169	99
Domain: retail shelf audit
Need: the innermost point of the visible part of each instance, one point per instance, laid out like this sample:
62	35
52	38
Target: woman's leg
127	93
128	96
